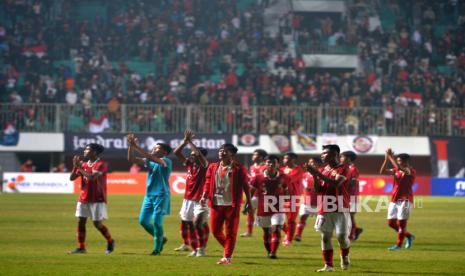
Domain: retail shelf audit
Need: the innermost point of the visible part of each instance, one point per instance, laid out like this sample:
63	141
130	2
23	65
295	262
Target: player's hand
130	138
203	201
77	161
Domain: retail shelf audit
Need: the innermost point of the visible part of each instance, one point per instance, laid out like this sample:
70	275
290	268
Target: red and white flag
98	125
407	97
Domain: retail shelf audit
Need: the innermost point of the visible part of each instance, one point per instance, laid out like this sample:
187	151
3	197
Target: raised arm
203	161
131	158
178	151
75	172
145	154
383	169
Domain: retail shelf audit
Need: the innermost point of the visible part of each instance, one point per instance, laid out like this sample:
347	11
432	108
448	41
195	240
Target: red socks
250	222
267	240
345	251
301	225
275	240
402	231
106	233
81	236
185	232
328	257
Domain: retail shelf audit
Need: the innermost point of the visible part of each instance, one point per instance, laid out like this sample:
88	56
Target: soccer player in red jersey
93	197
309	206
295	188
258	158
331	183
269	187
225	182
194	217
402	196
348	158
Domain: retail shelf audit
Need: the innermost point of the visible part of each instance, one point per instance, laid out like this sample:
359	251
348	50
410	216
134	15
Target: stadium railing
402	121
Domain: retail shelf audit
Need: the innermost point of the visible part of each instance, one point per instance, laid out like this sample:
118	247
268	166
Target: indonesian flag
98	125
407	97
389	113
38	50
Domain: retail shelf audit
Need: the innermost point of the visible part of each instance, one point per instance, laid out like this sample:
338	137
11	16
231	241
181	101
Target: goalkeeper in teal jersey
156	202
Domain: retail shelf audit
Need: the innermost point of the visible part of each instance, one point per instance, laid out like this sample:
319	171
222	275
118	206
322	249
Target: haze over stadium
301	117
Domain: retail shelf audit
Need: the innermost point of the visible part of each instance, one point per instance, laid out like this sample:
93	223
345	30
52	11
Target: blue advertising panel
448	186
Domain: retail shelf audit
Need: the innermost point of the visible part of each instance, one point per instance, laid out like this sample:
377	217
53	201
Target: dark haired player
156	202
333	214
348	158
309	206
194	216
402	196
269	187
257	167
225	182
93	197
295	174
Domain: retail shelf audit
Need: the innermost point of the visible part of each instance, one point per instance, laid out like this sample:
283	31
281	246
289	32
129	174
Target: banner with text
49	183
116	143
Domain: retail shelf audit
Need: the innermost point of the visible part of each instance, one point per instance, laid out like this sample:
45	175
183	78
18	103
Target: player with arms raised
402	196
93	197
194	216
334	200
156	202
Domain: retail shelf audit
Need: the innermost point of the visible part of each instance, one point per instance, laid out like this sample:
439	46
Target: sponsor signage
116	143
129	183
50	183
383	185
448	186
362	144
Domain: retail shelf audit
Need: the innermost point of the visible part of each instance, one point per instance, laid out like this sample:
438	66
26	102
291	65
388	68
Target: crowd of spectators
51	53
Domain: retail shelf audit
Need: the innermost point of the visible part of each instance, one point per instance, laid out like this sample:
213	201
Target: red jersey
353	176
256	170
267	186
94	190
330	190
310	196
295	176
194	181
403	183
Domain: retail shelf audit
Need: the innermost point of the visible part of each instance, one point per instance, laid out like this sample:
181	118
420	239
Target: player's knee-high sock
327	247
291	228
328	257
185	232
250	222
105	232
267	239
206	233
144	220
275	240
193	236
81	235
301	225
158	233
402	232
393	224
403	224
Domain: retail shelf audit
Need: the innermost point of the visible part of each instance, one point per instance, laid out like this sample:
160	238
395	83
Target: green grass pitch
36	231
